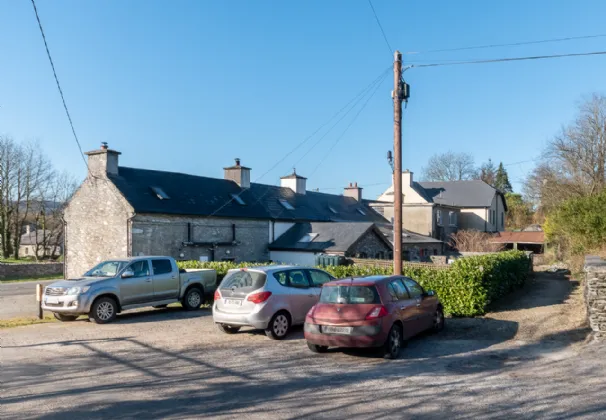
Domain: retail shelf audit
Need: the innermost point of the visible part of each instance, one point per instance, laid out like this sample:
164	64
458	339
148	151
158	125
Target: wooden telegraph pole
397	170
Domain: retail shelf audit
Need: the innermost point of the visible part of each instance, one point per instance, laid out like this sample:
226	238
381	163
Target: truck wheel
192	299
278	326
228	329
104	310
65	318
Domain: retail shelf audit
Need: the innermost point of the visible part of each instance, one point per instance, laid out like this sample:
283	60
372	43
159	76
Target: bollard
39	292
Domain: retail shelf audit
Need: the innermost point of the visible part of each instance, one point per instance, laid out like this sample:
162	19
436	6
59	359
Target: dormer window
160	193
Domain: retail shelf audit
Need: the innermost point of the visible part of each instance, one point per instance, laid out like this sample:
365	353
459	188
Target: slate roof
460	193
519	237
331	237
30	238
408	237
203	196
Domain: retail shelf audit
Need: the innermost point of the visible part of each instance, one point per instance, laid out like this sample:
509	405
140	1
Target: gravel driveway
526	359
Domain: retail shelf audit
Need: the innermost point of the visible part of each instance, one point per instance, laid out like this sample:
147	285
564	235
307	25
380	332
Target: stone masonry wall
595	295
97	226
164	235
370	246
16	271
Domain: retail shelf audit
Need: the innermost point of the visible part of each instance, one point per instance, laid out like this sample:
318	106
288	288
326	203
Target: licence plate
52	300
336	330
233	302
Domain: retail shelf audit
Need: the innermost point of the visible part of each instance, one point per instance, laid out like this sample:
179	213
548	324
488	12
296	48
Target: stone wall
165	235
16	271
369	246
595	295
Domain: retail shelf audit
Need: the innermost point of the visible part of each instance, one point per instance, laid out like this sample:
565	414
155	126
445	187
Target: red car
376	311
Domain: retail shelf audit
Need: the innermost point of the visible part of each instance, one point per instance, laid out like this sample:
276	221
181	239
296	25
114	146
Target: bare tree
450	166
474	241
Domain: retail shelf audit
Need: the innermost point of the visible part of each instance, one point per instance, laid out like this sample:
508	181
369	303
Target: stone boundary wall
595	295
15	271
389	263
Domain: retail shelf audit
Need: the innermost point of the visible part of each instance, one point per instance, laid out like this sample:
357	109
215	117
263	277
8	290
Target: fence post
39	289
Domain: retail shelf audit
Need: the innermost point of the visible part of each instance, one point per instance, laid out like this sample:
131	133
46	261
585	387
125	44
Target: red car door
426	307
406	309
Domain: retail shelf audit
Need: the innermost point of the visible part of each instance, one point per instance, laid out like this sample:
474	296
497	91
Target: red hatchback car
376	311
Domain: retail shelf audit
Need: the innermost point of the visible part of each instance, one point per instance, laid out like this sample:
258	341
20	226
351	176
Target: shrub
465	289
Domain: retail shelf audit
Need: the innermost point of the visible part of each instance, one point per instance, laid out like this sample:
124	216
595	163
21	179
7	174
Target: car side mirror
128	274
430	293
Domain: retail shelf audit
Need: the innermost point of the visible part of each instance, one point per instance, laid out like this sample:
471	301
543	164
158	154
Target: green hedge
465	289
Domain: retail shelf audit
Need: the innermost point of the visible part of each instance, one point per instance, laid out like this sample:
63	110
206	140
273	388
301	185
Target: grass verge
34	278
20	322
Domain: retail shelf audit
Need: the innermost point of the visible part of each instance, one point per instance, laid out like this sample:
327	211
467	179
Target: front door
166	279
139	288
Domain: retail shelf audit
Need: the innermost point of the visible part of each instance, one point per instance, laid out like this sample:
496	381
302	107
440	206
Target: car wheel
393	344
438	320
317	349
159	306
228	329
65	318
192	299
278	326
104	310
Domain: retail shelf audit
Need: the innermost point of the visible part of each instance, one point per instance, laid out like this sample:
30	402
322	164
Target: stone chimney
103	162
295	182
407	178
239	174
353	191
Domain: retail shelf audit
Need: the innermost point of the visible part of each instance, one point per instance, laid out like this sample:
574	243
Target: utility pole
397	169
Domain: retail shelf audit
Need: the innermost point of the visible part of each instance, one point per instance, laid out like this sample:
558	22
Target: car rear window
241	283
350	294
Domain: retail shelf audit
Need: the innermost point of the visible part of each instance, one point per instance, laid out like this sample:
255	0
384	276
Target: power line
508	45
499	60
348	126
58	85
380	27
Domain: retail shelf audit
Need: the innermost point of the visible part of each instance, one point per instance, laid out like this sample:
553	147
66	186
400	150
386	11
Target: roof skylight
160	193
286	204
238	199
309	237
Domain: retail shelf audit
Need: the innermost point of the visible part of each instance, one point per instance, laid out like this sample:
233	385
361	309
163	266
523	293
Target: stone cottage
119	212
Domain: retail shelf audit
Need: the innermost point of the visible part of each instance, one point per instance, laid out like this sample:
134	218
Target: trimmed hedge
465	289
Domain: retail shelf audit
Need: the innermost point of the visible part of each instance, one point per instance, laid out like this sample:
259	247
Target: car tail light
217	295
259	297
378	312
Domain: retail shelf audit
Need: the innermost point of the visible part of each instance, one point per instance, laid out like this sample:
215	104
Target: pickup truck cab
122	284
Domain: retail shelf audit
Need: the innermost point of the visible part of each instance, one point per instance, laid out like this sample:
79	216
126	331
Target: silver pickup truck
119	285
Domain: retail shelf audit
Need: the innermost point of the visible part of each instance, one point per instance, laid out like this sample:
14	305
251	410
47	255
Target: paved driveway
174	364
19	299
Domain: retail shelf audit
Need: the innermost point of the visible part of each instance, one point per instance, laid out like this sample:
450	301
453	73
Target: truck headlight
77	290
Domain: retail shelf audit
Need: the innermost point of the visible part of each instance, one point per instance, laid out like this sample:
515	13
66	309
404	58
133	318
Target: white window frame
439	217
452	218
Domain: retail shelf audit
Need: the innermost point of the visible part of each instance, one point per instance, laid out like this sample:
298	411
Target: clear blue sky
189	85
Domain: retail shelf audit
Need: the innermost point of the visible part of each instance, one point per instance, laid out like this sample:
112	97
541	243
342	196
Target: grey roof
203	196
408	237
30	238
473	193
331	237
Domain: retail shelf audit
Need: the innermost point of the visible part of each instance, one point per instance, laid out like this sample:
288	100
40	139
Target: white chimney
353	191
295	182
238	173
28	229
103	162
407	178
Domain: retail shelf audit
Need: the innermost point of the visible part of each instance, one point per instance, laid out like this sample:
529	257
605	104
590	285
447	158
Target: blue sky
190	85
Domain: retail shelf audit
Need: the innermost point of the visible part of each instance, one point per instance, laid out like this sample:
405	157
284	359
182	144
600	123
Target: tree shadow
161	315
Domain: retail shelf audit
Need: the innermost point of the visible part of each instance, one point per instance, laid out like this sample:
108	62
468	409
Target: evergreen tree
501	182
488	173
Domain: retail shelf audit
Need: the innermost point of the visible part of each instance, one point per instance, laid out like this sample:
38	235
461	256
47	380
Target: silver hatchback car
271	298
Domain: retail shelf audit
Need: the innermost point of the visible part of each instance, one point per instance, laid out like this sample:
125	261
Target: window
350	295
380	255
318	278
502	220
161	267
332	210
286	204
26	250
400	290
413	287
160	193
362	212
452	218
298	279
106	269
140	268
439	217
282	278
494	217
239	283
238	199
308	237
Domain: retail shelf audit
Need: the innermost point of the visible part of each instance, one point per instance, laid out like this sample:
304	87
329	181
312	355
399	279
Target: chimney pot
237	161
104	145
356	184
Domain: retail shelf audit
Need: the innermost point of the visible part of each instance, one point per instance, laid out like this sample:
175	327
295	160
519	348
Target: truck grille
55	291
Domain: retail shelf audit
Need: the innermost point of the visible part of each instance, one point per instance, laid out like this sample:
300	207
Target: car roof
271	268
358	281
